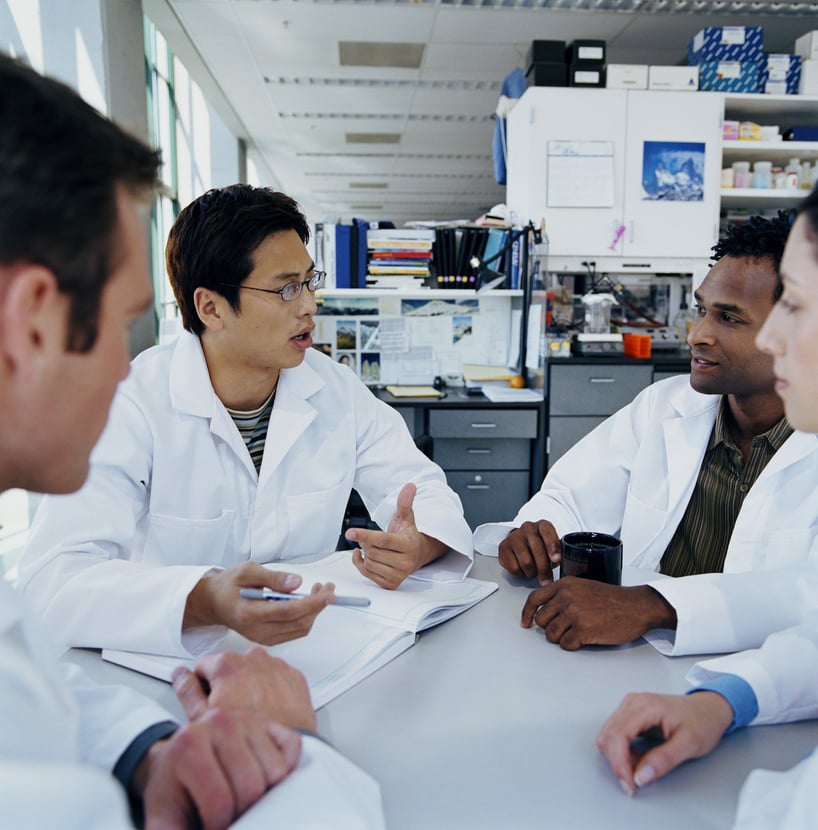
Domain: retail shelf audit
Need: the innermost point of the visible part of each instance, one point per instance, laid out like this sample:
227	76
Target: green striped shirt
253	428
701	539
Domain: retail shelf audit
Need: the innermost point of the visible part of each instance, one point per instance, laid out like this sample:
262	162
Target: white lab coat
633	476
173	492
61	734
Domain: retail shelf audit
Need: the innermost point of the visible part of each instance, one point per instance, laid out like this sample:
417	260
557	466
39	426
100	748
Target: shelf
753	197
768	109
773	149
441	293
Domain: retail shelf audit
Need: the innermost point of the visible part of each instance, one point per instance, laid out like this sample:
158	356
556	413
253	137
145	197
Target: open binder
346	644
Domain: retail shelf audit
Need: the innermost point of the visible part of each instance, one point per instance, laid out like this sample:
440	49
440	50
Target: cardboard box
545	51
806	46
729	76
547	74
586	51
808	85
626	76
729	131
780	74
585	74
673	77
726	43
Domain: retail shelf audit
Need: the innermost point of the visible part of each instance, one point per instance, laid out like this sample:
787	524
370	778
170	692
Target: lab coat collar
190	388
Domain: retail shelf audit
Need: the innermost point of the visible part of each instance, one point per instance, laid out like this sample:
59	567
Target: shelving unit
785	111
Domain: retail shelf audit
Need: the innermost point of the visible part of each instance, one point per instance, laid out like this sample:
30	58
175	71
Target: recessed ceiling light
373	138
369	185
395	55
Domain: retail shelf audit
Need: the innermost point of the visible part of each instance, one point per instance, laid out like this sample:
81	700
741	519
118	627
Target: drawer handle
477	487
475	451
603	380
483	426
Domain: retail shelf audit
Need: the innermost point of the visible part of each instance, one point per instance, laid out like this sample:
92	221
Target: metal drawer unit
486	455
581	396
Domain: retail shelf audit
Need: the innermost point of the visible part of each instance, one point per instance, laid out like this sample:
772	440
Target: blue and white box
729	76
780	74
726	43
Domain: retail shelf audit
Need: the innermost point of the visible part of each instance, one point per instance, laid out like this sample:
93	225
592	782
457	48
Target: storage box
729	76
585	51
585	74
626	76
806	46
673	77
726	43
780	74
808	85
547	74
729	131
545	51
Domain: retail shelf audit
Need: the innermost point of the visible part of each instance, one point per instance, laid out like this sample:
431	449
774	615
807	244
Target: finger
274	764
288	740
358	560
371	540
535	600
551	540
188	688
388	571
280	581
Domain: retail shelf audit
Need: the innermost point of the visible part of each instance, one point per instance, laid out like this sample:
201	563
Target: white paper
580	174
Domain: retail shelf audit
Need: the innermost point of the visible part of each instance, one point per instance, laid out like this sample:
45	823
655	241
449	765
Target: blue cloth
513	87
738	693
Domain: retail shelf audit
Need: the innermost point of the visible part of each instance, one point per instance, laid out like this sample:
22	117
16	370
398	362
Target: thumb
403	511
188	688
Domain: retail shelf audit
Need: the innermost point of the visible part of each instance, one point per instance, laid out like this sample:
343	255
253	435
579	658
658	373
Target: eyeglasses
292	290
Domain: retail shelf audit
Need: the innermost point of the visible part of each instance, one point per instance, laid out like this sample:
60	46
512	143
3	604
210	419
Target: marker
266	593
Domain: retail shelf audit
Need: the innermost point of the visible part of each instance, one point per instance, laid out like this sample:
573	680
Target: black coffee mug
592	555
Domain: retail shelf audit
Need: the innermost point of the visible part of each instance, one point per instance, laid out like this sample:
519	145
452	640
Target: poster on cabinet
580	174
673	171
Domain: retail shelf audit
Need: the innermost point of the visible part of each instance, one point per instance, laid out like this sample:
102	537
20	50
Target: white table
483	724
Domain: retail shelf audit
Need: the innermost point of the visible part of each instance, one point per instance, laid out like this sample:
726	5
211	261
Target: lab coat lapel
191	392
291	416
799	445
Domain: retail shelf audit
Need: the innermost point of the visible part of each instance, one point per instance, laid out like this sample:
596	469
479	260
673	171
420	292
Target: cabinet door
547	121
672	139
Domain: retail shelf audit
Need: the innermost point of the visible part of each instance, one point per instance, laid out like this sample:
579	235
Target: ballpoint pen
266	593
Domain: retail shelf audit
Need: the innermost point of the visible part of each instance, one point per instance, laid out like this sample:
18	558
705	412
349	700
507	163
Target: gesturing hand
388	557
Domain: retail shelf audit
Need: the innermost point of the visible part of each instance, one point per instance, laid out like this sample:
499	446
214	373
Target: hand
690	726
530	550
388	557
255	681
577	612
210	771
215	600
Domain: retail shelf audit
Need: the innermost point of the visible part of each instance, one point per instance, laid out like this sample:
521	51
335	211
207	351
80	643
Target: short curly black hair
757	238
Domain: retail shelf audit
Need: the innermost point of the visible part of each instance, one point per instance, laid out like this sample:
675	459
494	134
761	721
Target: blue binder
343	256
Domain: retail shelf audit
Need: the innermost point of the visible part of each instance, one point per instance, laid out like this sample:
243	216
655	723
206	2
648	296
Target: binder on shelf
343	256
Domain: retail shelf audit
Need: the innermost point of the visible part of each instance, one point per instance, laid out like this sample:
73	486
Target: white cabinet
781	110
615	131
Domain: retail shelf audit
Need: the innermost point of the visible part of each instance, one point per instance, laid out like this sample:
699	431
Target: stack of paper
346	644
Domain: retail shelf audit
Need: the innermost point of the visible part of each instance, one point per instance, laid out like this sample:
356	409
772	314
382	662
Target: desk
486	726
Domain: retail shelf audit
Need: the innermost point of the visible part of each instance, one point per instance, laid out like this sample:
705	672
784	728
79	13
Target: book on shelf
346	644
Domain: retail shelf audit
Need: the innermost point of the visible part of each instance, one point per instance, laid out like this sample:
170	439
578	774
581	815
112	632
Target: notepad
347	644
413	391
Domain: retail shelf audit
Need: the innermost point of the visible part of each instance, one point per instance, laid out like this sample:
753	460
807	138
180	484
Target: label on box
729	69
582	76
590	53
732	35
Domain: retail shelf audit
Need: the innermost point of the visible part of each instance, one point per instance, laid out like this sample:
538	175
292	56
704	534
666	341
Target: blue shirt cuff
738	693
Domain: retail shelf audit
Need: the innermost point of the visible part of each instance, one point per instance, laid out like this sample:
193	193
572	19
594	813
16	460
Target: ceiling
398	143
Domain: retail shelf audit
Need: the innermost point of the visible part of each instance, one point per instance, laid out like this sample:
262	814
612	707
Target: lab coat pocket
779	548
180	541
314	520
641	524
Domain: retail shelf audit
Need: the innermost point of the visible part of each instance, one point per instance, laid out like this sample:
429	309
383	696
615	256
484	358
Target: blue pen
266	593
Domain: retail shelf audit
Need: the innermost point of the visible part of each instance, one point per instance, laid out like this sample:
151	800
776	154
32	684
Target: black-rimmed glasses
292	290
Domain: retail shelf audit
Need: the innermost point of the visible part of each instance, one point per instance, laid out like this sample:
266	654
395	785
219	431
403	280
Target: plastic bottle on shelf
683	321
793	171
805	181
741	174
762	174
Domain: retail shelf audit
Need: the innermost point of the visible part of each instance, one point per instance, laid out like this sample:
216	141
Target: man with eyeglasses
235	445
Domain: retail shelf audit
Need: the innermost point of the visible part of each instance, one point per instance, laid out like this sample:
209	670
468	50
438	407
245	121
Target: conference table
483	724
